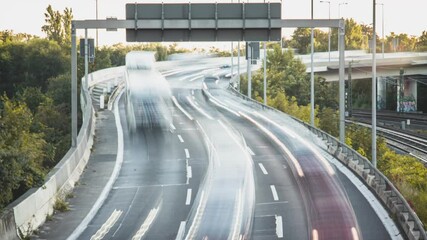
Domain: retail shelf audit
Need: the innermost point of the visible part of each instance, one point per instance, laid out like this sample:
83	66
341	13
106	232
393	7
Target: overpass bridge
414	63
406	72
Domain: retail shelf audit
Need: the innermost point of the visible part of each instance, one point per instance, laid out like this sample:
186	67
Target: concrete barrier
411	226
29	211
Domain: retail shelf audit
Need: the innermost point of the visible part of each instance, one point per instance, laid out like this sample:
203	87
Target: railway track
403	141
417	119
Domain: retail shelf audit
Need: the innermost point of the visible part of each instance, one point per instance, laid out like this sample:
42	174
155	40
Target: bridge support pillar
407	94
381	93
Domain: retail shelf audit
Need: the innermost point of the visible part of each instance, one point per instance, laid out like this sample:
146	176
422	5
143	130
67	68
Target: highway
222	170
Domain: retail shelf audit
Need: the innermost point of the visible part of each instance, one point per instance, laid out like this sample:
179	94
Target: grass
61	205
70	195
49	217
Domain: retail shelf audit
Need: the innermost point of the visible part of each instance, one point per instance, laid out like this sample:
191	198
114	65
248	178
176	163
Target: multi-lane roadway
224	170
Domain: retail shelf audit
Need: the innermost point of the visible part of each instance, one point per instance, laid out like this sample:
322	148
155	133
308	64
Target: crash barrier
385	191
27	213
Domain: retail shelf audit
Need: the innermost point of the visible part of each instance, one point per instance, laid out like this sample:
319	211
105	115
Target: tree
328	121
356	36
21	151
421	44
58	26
67	17
400	43
301	39
30	64
9	36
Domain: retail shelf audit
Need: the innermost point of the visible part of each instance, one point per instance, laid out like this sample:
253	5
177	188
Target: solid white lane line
238	220
199	213
274	192
181	231
146	224
188	199
309	145
196	77
221	105
198	108
250	151
190	76
181	108
218	102
105	191
105	228
180	138
279	226
187	153
263	168
278	142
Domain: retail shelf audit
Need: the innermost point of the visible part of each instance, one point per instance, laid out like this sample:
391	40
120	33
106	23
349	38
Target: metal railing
383	188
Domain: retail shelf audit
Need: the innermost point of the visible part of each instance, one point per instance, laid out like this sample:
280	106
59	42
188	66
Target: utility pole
238	66
312	72
249	62
329	32
349	91
232	60
73	87
265	73
374	88
400	91
97	28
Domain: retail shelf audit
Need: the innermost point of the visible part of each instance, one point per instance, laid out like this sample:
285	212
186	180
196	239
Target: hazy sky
400	16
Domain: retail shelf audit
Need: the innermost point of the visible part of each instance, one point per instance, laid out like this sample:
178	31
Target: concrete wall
29	211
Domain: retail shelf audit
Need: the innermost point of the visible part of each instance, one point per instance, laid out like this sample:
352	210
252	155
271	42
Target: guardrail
385	191
28	212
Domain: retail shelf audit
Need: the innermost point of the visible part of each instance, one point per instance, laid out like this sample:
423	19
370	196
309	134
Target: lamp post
382	27
97	28
312	72
329	32
374	89
339	8
339	16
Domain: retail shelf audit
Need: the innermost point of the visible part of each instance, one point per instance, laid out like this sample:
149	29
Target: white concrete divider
31	209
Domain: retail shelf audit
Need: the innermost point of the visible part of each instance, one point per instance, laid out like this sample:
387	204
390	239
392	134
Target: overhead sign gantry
202	22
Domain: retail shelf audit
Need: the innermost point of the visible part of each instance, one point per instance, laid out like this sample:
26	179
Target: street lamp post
312	72
382	28
339	8
97	28
329	33
339	16
374	89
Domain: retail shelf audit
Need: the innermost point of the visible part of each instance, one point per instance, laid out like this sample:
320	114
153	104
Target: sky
27	16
